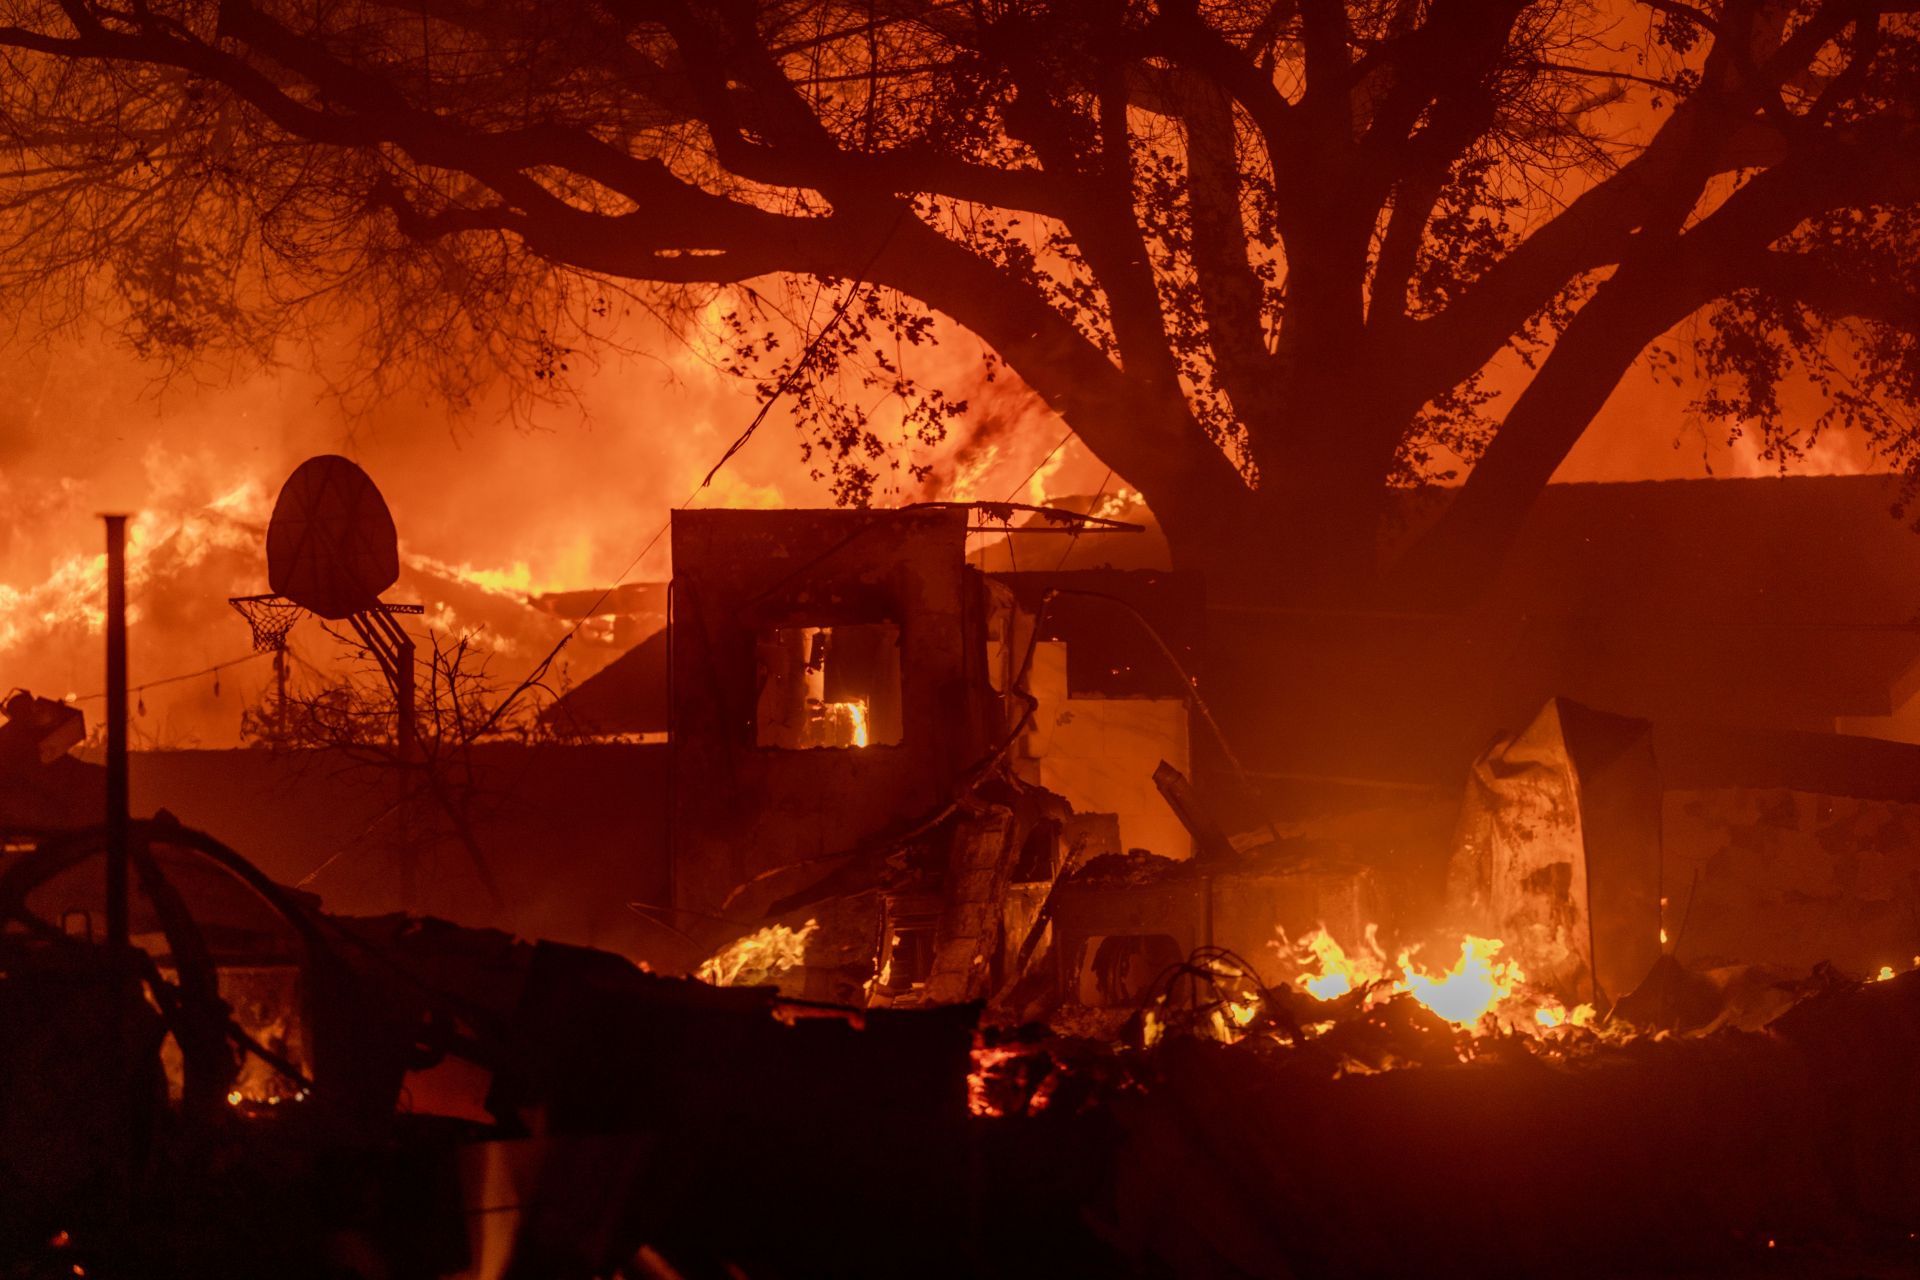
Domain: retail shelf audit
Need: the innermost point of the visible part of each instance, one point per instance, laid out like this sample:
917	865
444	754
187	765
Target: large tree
1268	258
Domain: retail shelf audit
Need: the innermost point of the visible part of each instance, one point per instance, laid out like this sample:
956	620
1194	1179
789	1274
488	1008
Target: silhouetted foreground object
332	547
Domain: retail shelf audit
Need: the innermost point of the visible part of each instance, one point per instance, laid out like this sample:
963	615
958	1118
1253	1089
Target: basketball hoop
331	545
271	618
331	550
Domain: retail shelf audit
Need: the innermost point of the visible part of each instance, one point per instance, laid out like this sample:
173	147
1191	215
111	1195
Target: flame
1476	987
73	593
757	958
516	581
1471	988
1326	970
1043	476
1002	1074
1118	505
970	474
987	1062
838	724
1887	973
856	713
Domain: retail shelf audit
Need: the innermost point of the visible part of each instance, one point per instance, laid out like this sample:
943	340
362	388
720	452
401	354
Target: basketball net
271	618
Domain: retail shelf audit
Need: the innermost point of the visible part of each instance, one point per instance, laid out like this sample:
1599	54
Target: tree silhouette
1260	256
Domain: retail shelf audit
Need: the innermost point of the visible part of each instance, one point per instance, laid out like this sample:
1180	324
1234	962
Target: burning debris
1478	989
760	958
932	975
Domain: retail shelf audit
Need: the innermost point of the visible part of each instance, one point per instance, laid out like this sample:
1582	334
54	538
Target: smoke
489	510
1647	431
1009	430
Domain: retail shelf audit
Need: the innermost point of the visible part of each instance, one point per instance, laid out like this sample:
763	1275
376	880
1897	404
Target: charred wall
742	809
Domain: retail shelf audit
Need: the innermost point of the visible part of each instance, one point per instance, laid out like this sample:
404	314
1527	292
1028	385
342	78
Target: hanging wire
185	675
1092	509
1043	462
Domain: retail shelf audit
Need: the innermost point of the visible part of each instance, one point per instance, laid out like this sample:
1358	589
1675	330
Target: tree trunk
1309	534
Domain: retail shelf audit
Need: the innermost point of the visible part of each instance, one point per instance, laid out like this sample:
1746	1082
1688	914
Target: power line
1092	509
1043	462
1015	491
185	675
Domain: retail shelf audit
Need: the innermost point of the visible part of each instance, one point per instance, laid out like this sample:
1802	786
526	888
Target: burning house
1409	816
872	735
958	830
957	780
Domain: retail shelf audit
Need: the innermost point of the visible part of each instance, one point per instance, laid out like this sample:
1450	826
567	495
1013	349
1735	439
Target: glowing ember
987	1062
1010	1079
758	958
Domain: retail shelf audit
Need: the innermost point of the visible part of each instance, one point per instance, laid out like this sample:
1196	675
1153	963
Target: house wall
741	813
1100	754
1787	877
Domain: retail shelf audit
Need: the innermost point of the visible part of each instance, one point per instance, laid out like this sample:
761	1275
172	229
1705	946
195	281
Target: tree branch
1662	282
1817	285
1230	292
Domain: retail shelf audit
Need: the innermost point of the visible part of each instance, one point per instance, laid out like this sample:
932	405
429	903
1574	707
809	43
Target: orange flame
758	958
1325	969
1469	990
1477	987
1887	973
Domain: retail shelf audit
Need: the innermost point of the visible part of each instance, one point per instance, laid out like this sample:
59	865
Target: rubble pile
456	1102
1389	1141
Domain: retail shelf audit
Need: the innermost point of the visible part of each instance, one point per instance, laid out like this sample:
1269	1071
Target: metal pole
117	930
280	692
409	727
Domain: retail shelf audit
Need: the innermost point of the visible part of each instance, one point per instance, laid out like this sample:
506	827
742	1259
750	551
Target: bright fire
1469	990
172	535
1336	973
1887	974
857	716
838	724
1477	984
758	958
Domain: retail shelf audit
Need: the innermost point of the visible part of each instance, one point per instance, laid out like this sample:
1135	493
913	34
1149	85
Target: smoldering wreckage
994	963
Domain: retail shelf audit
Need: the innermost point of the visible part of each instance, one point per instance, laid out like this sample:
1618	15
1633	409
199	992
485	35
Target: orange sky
567	504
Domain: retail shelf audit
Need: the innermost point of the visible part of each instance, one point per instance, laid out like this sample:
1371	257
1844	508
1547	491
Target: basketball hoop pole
392	648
